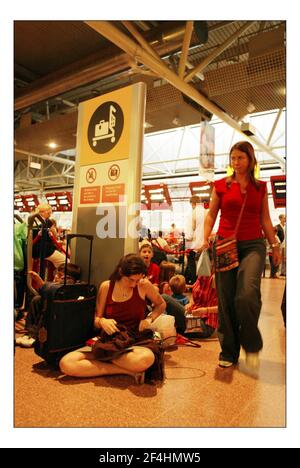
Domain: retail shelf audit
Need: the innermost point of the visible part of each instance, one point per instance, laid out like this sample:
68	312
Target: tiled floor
196	393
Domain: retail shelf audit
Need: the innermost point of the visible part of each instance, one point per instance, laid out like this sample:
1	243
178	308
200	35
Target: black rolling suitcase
67	316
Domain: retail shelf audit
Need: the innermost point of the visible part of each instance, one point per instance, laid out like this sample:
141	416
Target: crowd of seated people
152	289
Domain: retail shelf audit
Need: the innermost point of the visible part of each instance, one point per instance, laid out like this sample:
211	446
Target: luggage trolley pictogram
106	128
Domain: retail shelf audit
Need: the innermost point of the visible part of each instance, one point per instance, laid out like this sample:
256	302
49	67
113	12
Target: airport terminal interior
117	124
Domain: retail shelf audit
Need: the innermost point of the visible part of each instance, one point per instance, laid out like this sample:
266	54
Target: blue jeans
177	310
239	301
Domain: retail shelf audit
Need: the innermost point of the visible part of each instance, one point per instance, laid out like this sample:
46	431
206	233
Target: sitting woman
204	304
121	300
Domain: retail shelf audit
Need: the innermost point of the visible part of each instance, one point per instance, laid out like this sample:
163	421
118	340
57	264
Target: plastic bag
165	326
204	264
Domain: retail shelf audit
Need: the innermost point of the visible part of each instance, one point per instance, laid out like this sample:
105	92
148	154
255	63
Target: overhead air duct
248	129
201	30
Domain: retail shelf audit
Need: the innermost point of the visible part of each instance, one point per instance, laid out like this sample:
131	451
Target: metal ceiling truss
28	178
274	126
150	60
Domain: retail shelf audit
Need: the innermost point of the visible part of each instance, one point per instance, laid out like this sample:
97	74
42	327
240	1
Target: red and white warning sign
91	175
114	172
103	183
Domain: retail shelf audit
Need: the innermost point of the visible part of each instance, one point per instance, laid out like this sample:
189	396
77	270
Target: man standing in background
194	233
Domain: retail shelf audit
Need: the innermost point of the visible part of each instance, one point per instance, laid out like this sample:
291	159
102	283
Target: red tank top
231	200
129	312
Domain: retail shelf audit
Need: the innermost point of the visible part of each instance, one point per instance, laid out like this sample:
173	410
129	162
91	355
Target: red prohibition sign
114	172
91	175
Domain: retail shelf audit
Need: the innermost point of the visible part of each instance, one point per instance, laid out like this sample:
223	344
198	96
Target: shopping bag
204	264
165	326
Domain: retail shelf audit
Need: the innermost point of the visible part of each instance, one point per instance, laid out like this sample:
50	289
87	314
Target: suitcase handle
88	237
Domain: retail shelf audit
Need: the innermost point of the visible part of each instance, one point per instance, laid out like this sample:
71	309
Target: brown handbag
226	252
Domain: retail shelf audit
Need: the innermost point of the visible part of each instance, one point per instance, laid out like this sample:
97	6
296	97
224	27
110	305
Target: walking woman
239	295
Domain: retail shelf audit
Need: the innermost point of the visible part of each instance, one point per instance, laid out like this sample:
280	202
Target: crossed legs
82	363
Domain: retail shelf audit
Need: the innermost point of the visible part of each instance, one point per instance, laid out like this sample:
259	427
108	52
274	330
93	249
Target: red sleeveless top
128	313
231	200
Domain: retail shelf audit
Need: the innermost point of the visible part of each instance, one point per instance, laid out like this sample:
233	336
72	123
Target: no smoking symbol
91	175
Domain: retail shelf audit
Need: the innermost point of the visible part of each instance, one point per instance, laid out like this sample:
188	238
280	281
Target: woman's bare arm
210	218
108	325
269	230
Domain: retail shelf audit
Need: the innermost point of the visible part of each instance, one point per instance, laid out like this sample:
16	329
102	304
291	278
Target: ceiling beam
274	127
96	66
140	38
185	48
47	157
164	39
109	31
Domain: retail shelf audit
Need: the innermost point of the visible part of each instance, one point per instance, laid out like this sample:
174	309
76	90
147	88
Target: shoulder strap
240	215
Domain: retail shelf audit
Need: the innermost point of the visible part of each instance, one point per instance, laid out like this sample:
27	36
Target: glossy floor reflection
196	393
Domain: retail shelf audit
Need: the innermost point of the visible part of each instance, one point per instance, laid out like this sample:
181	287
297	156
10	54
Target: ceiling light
251	107
35	165
52	145
176	121
147	125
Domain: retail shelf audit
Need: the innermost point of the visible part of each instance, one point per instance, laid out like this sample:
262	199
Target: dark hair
72	270
248	149
130	264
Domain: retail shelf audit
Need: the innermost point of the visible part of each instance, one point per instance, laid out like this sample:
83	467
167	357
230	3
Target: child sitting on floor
178	286
146	252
